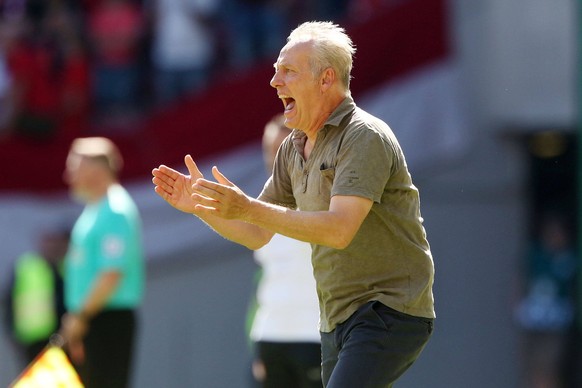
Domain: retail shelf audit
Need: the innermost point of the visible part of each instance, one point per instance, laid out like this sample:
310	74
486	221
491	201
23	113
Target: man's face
79	173
297	87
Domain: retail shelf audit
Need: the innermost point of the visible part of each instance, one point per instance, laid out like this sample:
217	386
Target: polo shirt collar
347	106
334	120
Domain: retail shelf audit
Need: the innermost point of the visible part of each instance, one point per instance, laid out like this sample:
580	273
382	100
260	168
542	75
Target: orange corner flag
50	369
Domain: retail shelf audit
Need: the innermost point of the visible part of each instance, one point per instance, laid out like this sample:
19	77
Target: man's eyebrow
280	65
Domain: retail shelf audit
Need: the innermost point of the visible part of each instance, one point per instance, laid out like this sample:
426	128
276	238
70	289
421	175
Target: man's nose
276	80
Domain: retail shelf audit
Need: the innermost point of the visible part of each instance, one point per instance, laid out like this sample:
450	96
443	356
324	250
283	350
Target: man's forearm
103	287
240	232
311	227
265	219
335	227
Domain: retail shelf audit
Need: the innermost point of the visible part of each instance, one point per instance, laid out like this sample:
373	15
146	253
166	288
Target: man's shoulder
120	201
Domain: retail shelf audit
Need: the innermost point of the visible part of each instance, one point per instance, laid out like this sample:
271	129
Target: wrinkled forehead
295	51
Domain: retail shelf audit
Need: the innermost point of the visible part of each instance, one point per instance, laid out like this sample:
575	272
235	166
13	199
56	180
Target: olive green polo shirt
389	259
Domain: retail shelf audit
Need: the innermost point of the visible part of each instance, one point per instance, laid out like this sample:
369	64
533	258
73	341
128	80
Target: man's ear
327	79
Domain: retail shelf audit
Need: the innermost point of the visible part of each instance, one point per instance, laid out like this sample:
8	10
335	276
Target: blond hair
100	149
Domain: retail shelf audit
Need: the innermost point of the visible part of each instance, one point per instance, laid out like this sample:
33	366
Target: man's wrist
84	316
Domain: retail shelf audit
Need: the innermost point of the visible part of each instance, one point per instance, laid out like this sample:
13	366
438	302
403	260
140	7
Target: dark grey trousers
373	348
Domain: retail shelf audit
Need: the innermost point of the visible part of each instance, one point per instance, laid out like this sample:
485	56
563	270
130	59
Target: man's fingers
192	167
201	210
161	192
163	170
77	352
164	176
204	200
165	184
220	178
206	193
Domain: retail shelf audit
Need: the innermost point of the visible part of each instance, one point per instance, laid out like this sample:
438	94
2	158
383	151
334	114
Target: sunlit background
483	96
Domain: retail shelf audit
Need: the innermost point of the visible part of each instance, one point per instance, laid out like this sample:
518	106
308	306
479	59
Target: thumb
220	178
192	167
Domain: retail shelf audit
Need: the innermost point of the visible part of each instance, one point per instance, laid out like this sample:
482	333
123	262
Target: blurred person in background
256	30
332	10
35	65
104	267
116	31
359	11
8	33
183	47
75	82
546	310
284	329
35	301
49	73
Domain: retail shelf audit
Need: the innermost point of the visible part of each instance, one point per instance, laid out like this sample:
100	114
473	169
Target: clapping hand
175	187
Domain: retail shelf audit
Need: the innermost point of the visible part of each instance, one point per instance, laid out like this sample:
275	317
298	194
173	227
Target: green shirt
34	302
389	259
106	237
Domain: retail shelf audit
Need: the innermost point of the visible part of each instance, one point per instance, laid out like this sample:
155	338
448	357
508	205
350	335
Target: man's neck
99	192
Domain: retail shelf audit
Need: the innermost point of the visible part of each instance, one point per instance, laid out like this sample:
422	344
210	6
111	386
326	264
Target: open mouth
288	102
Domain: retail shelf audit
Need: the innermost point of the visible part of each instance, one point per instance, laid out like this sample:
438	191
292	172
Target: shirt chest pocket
326	177
312	187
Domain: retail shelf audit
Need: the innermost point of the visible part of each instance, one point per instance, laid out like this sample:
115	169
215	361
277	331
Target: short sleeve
364	164
278	189
113	243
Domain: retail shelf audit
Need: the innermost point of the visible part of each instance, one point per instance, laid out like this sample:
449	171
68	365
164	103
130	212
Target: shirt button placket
305	175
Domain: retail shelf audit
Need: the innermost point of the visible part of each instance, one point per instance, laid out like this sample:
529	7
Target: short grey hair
99	149
332	47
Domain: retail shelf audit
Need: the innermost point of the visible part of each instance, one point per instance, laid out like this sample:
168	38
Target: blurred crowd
66	63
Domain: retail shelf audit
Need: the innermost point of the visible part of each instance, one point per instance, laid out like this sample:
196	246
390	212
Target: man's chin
290	122
78	197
